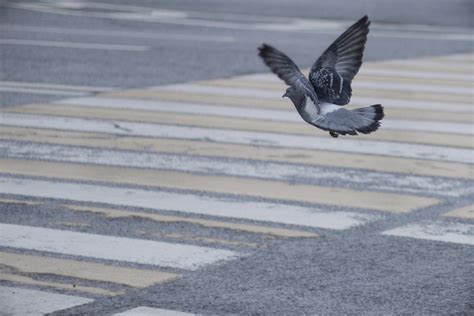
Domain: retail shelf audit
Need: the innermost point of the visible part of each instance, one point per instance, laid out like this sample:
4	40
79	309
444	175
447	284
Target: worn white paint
18	301
235	167
41	91
405	73
379	71
289	115
219	91
395	149
438	231
151	311
430	126
266	94
187	108
427	64
55	86
415	104
411	87
74	45
110	247
186	202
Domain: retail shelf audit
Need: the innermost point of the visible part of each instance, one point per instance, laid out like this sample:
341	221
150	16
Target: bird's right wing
332	74
287	71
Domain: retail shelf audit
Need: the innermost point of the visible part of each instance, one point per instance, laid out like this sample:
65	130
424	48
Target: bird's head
288	93
297	98
292	94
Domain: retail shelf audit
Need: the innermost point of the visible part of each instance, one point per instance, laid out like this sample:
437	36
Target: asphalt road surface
149	166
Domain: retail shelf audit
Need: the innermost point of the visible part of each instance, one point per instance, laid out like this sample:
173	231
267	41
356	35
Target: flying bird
320	97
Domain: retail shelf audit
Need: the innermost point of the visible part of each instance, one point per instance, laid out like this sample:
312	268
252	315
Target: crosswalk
212	171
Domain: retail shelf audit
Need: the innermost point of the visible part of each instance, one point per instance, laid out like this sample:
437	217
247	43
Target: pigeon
320	97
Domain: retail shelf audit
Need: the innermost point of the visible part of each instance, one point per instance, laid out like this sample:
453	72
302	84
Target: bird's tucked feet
333	134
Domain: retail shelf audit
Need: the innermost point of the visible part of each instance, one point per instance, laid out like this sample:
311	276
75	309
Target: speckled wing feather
332	74
287	71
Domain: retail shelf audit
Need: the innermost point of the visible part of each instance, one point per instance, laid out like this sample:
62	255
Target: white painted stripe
355	100
221	91
412	87
253	113
34	264
253	84
463	212
450	67
266	94
468	58
430	126
423	28
439	231
235	167
416	74
429	152
424	35
30	281
188	108
41	91
18	301
186	202
295	156
110	247
151	311
267	76
415	104
208	184
123	34
55	86
132	48
379	71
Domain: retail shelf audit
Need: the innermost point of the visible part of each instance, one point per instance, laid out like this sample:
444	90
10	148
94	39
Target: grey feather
340	121
287	71
332	74
343	121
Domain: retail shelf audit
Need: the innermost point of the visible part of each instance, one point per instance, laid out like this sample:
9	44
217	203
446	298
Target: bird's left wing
287	71
332	74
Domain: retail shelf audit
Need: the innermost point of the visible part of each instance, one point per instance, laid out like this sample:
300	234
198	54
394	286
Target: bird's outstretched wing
332	74
287	71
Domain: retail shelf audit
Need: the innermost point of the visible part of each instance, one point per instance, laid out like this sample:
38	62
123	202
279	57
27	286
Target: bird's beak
284	95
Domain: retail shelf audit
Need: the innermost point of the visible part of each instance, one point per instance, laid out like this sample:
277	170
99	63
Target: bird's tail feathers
371	115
